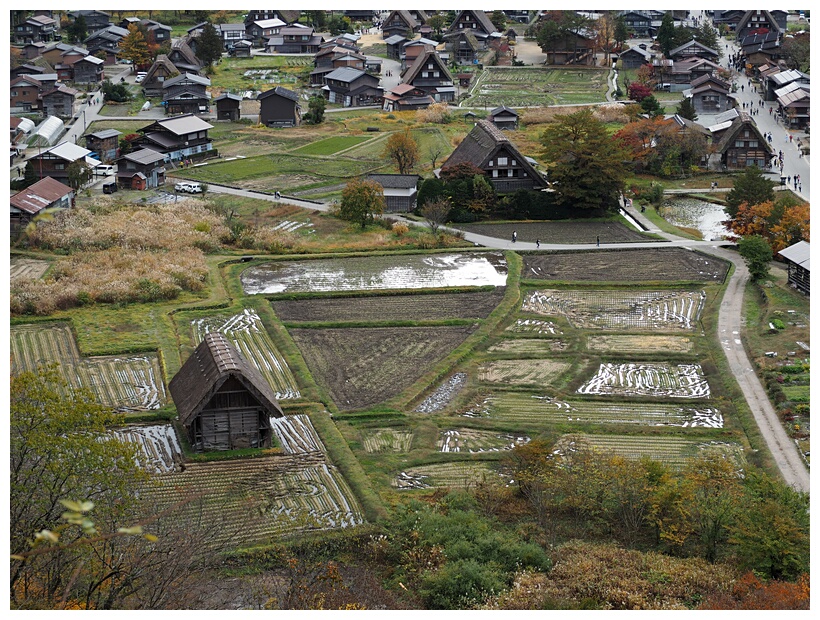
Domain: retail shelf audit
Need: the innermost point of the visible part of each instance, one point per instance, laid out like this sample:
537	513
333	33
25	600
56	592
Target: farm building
104	144
141	169
400	191
227	107
46	193
506	168
223	402
798	259
279	107
504	117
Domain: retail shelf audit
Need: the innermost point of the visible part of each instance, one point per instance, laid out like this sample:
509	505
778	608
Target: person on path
514	236
538	243
597	241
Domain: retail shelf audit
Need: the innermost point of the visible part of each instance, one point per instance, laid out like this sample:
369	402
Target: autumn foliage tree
362	200
638	92
134	47
403	151
781	225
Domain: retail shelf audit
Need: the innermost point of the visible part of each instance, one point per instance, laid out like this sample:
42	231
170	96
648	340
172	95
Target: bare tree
434	152
435	213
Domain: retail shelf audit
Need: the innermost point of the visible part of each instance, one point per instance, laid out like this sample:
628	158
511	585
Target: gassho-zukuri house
222	401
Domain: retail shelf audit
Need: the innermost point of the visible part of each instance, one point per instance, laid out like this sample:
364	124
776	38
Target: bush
778	324
400	229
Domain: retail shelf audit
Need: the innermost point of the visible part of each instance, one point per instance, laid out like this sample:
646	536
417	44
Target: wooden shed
228	107
798	259
223	402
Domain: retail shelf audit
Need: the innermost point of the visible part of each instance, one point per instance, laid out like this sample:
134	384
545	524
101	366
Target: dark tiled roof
395	181
282	92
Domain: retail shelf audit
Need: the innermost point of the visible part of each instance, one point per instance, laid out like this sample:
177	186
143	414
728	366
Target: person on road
597	241
538	243
514	236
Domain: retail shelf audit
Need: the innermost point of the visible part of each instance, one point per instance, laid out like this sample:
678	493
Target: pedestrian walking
800	188
514	236
789	179
597	241
791	138
537	243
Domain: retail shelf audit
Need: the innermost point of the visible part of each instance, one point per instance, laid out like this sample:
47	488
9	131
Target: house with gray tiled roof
430	74
352	87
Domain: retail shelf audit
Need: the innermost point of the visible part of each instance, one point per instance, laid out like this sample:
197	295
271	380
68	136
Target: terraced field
123	382
376	440
248	335
462	474
474	441
370	273
158	443
533	372
365	366
645	379
630	265
528	347
525	86
672	451
536	327
638	310
640	344
390	307
256	499
535	410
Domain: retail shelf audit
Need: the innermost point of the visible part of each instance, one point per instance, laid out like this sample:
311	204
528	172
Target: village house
414	49
639	23
575	48
487	148
182	56
399	190
740	145
158	73
395	46
54	162
106	40
186	94
406	97
352	87
179	137
429	74
223	402
25	93
86	70
262	30
228	107
53	53
37	28
231	34
160	32
104	144
400	23
504	117
141	169
776	80
47	193
279	107
758	22
635	57
463	47
33	49
794	105
94	20
241	49
477	22
59	101
683	72
710	95
694	48
760	49
294	40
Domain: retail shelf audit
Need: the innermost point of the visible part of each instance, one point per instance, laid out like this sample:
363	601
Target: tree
434	152
79	173
134	47
586	165
57	453
707	35
498	19
362	200
638	92
605	35
621	33
316	110
757	253
316	19
403	151
666	34
797	51
686	109
651	106
548	36
438	23
209	45
77	31
750	187
435	213
118	93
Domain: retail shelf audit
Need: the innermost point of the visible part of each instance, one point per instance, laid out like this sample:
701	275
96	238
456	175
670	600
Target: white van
188	187
103	170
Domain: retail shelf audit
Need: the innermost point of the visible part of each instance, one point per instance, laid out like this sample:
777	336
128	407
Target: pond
701	215
377	273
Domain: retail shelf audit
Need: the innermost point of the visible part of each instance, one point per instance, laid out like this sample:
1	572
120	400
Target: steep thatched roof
212	363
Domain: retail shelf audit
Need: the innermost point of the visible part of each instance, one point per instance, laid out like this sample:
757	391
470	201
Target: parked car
103	170
109	188
188	187
140	77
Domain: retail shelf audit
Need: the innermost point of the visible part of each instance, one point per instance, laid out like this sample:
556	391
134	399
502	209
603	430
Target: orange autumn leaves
780	225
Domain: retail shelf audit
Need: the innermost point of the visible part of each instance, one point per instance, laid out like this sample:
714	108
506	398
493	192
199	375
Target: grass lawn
329	146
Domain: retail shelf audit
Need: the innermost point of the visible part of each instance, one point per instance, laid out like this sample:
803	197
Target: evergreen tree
750	187
650	105
757	253
586	165
666	34
209	45
621	33
686	109
316	110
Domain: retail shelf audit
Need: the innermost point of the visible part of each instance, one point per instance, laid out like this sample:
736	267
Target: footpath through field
784	451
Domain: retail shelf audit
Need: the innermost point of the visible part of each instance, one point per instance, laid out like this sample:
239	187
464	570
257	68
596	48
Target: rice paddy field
648	379
455	475
474	441
377	440
124	382
247	333
23	267
372	273
638	310
629	343
535	372
533	86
